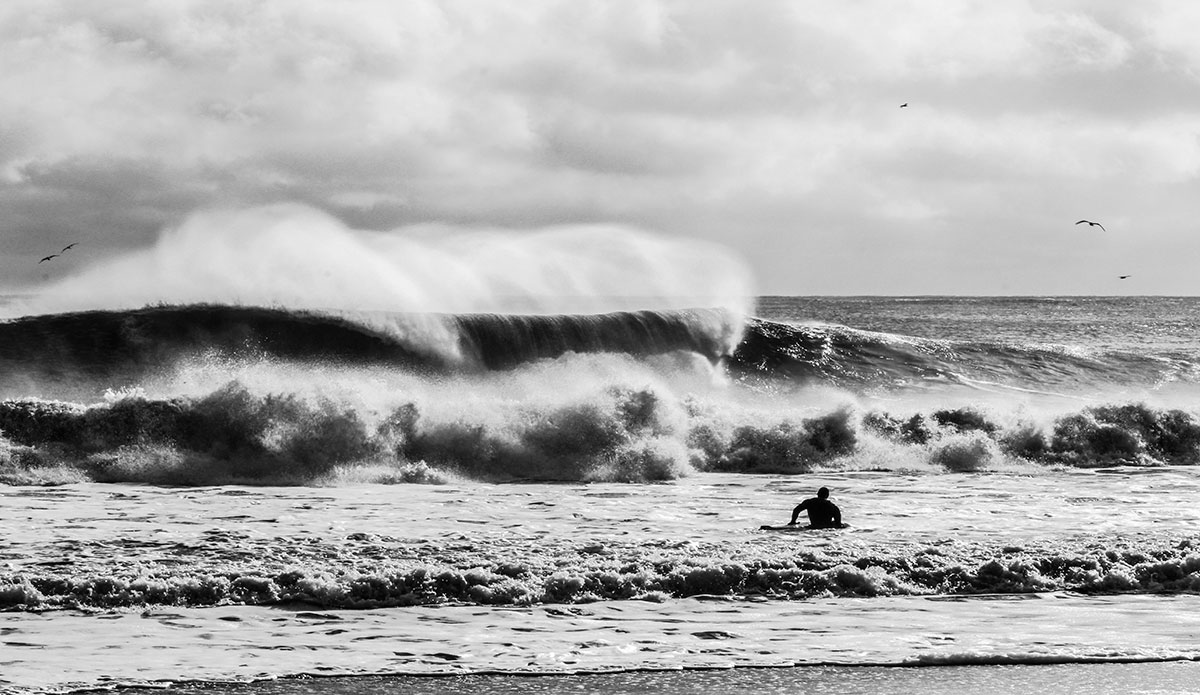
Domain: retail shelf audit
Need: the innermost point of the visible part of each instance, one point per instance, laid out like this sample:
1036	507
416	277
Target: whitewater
205	491
249	509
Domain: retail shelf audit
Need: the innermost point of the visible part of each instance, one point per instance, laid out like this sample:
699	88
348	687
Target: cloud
719	120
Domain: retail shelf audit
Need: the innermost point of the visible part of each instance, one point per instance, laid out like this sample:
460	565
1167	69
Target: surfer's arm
796	512
837	515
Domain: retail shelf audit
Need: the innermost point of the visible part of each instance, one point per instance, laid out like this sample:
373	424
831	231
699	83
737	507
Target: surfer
821	512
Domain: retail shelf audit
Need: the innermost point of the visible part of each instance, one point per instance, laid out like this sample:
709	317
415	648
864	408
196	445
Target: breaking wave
616	433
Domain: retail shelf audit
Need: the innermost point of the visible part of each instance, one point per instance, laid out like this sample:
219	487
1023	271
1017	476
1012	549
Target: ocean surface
216	497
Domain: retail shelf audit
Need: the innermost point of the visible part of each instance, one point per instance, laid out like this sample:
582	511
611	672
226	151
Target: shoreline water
699	535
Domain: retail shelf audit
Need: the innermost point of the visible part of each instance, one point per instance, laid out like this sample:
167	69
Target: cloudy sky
773	128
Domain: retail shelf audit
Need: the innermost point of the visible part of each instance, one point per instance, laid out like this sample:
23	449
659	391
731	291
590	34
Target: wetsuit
821	513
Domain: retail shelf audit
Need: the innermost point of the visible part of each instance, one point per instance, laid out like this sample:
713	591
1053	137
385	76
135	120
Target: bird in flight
1093	224
1122	277
904	105
53	255
68	247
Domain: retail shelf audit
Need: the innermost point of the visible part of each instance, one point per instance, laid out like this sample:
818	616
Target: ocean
245	499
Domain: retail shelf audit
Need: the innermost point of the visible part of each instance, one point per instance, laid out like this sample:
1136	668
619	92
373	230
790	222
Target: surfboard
768	527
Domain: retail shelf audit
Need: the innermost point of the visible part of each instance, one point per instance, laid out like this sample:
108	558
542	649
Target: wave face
499	341
204	394
130	344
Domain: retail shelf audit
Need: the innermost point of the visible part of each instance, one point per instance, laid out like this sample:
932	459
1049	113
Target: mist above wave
296	257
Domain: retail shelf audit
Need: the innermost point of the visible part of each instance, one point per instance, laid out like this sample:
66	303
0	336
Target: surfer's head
823	493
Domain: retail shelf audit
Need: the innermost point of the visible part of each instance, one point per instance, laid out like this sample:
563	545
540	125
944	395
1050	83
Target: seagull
68	247
53	255
1122	277
1093	224
904	105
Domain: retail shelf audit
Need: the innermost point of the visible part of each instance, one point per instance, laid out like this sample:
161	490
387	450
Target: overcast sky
771	128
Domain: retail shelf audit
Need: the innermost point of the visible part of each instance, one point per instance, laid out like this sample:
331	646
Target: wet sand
1159	678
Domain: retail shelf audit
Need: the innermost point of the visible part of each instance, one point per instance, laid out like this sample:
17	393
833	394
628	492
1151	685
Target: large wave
103	345
100	346
276	345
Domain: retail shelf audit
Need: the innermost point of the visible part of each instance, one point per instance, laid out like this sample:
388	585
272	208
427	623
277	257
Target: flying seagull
904	105
53	255
1122	277
1093	224
68	247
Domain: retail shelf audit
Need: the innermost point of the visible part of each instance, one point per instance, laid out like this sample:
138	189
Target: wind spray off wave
294	257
